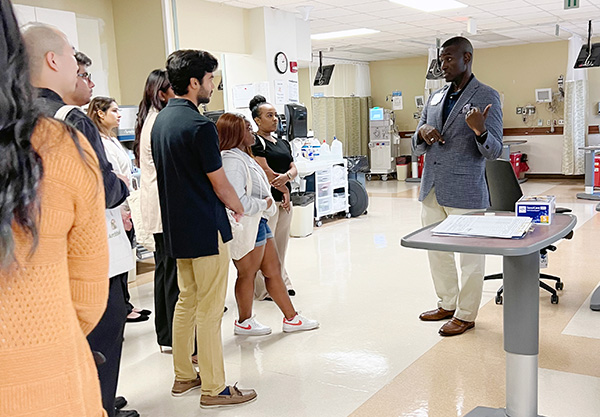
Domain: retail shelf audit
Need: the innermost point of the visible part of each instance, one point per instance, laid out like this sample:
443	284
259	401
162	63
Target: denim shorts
264	233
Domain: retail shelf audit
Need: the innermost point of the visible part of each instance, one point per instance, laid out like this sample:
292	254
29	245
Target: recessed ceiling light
343	34
431	5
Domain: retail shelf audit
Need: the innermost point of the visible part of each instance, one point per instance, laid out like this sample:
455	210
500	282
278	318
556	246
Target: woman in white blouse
253	189
104	112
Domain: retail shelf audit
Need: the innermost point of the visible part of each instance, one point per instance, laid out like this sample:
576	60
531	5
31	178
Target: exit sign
571	4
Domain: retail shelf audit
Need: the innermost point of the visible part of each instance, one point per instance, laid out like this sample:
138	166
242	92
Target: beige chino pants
466	297
202	289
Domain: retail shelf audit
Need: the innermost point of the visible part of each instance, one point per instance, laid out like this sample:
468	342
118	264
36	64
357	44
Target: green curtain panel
346	118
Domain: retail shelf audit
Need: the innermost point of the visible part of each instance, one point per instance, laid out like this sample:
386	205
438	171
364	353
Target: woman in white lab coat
104	112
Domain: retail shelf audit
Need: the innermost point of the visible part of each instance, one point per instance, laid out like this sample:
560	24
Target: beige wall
304	92
98	9
514	71
406	75
140	44
211	26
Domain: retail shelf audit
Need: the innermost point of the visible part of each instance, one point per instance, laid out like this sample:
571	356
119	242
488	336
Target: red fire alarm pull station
293	66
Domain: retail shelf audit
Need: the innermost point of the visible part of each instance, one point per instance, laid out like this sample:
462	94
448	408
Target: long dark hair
100	103
156	81
21	168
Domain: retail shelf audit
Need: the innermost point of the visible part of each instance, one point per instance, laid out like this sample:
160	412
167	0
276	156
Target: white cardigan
150	204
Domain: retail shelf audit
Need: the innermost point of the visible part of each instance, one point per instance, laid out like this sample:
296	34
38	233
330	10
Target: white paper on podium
505	227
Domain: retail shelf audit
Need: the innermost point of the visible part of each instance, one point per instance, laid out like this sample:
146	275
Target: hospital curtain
346	118
575	131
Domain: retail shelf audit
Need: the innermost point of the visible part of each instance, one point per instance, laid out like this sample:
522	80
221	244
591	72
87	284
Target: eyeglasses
85	76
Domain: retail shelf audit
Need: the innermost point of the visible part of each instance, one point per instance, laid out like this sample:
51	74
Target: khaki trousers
280	226
465	299
202	289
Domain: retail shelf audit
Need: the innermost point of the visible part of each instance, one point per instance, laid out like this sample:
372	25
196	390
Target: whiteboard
64	21
24	14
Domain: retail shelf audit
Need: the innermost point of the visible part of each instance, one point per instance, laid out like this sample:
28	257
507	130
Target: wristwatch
482	138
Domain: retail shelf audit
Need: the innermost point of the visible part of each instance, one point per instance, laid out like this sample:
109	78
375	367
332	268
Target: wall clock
281	62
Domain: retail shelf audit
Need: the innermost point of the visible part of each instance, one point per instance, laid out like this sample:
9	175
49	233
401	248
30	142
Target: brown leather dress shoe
436	315
455	327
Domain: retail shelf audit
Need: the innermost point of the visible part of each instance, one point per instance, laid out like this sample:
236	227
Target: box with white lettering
539	207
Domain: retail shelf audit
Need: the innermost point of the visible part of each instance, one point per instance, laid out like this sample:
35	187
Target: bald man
53	70
460	128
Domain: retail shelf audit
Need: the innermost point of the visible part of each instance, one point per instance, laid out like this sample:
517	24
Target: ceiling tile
332	13
409	32
372	6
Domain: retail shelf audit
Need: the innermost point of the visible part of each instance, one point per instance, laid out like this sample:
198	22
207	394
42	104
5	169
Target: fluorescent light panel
431	5
343	34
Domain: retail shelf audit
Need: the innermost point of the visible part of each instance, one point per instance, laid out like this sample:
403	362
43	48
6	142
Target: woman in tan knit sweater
53	251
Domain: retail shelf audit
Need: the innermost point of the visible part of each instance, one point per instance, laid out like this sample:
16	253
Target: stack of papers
506	227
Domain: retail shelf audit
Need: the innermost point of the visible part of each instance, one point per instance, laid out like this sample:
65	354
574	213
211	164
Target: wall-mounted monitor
543	95
587	59
323	75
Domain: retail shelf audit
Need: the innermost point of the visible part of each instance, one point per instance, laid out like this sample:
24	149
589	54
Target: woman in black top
275	157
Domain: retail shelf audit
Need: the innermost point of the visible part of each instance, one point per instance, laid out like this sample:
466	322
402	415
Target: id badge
436	99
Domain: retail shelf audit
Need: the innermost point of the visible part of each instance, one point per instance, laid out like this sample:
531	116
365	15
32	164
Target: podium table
521	269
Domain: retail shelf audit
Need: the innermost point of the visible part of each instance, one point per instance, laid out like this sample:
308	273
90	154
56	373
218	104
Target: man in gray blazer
460	128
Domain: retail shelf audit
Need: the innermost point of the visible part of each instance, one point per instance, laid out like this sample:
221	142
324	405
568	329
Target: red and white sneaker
250	327
299	323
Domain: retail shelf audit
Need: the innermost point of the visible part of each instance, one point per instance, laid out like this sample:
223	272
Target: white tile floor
356	279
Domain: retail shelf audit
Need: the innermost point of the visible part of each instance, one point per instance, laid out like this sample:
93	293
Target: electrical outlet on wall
561	122
548	122
519	110
540	122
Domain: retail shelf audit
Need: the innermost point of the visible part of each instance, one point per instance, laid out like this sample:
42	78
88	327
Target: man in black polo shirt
193	193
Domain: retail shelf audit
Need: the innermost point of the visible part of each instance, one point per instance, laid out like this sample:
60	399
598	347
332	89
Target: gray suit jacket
457	168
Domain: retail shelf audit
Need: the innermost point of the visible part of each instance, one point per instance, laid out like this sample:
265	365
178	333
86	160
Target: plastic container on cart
302	214
316	148
340	176
325	151
337	149
339	201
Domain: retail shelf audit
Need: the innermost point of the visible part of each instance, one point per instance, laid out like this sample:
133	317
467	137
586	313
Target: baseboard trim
554	177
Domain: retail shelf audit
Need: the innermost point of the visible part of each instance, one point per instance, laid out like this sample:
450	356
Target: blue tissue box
540	208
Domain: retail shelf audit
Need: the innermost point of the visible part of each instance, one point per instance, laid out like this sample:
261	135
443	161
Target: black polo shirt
185	147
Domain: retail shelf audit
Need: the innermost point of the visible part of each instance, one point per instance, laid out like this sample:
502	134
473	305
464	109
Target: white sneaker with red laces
250	327
299	323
